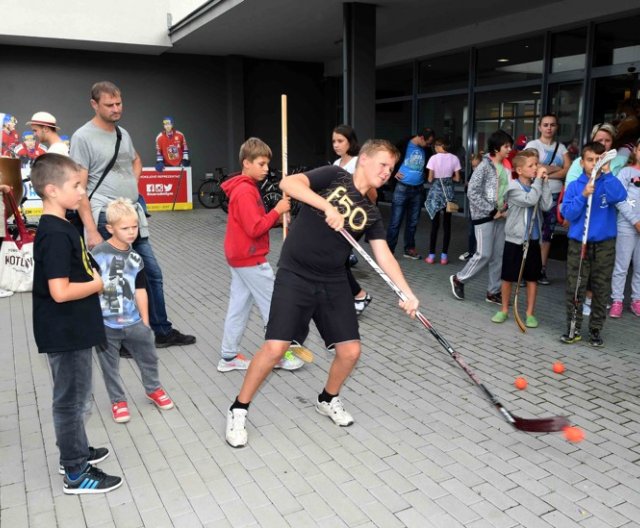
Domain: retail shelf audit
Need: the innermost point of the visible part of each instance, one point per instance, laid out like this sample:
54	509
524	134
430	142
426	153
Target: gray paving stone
427	448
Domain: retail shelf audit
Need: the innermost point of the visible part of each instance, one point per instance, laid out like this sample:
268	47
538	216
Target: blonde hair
253	148
521	157
118	209
373	146
607	127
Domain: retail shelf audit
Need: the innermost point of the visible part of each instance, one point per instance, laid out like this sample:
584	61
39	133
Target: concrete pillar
359	68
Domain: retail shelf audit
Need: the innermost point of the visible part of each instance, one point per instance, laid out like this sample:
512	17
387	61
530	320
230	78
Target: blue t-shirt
413	165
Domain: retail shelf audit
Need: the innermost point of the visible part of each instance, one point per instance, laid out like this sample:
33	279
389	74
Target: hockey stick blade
516	315
302	352
532	425
541	425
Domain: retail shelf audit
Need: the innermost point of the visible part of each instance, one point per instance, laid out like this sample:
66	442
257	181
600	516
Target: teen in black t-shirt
311	283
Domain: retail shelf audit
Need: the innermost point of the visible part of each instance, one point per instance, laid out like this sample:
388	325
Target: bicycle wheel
209	194
270	200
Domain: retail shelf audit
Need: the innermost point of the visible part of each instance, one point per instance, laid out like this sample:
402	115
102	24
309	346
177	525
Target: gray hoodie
629	210
520	201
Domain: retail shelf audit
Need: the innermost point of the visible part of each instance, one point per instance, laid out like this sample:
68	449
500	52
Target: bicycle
210	194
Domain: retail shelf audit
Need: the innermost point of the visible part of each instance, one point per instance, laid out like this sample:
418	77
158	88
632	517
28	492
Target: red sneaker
161	399
120	412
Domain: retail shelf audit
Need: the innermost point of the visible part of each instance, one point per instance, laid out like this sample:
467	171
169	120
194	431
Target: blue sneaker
92	480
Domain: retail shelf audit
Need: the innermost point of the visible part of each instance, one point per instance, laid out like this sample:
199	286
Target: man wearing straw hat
45	128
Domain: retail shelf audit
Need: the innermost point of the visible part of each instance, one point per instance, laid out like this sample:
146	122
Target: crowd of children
525	199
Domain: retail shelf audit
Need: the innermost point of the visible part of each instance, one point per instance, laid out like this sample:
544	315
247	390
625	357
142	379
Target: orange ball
573	434
520	383
558	367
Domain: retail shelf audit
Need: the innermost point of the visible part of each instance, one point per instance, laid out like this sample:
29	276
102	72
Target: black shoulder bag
71	214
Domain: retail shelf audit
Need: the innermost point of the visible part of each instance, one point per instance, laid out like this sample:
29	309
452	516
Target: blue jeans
407	201
71	373
158	317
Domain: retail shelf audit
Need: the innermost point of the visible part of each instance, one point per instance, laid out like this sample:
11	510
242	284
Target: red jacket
246	242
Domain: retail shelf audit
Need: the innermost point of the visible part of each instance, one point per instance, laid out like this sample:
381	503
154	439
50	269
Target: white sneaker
335	410
289	361
586	307
236	434
5	293
238	363
464	256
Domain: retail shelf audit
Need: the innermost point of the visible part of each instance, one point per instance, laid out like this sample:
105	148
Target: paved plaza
426	450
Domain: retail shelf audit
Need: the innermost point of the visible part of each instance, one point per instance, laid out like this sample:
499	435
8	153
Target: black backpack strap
111	163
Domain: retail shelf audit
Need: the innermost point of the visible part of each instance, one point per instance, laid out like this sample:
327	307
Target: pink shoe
430	259
635	307
444	259
616	309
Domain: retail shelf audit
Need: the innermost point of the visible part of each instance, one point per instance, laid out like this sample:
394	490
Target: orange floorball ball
558	367
573	434
520	383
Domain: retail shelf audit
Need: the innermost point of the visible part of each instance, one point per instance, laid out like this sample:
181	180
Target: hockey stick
285	157
536	425
175	195
606	158
525	250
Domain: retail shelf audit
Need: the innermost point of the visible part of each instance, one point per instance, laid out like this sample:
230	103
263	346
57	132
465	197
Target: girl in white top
555	158
345	145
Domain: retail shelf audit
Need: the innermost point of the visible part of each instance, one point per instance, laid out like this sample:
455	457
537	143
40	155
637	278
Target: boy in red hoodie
246	245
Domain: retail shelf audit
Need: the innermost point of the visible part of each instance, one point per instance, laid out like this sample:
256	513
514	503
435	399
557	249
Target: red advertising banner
162	189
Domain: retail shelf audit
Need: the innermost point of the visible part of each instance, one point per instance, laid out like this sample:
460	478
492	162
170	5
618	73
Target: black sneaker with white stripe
92	480
96	455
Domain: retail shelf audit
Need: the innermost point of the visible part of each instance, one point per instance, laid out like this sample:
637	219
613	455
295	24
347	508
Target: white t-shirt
544	153
350	167
59	148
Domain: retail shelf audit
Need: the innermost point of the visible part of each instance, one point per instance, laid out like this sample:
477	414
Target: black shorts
296	301
512	260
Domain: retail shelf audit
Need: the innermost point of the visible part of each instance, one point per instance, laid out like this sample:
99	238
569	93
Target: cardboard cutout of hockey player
171	147
29	149
10	138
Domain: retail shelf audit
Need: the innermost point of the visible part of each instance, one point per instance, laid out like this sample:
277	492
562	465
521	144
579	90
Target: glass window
393	120
444	73
395	81
568	50
614	100
566	101
511	61
515	111
449	118
617	42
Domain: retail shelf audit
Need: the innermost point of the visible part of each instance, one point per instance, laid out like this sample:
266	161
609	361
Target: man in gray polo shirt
93	146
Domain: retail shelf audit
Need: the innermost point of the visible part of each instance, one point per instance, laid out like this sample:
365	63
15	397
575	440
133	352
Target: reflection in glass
617	42
566	101
444	73
515	111
568	50
395	81
512	61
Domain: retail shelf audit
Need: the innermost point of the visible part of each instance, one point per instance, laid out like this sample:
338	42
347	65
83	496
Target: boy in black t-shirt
67	321
311	282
